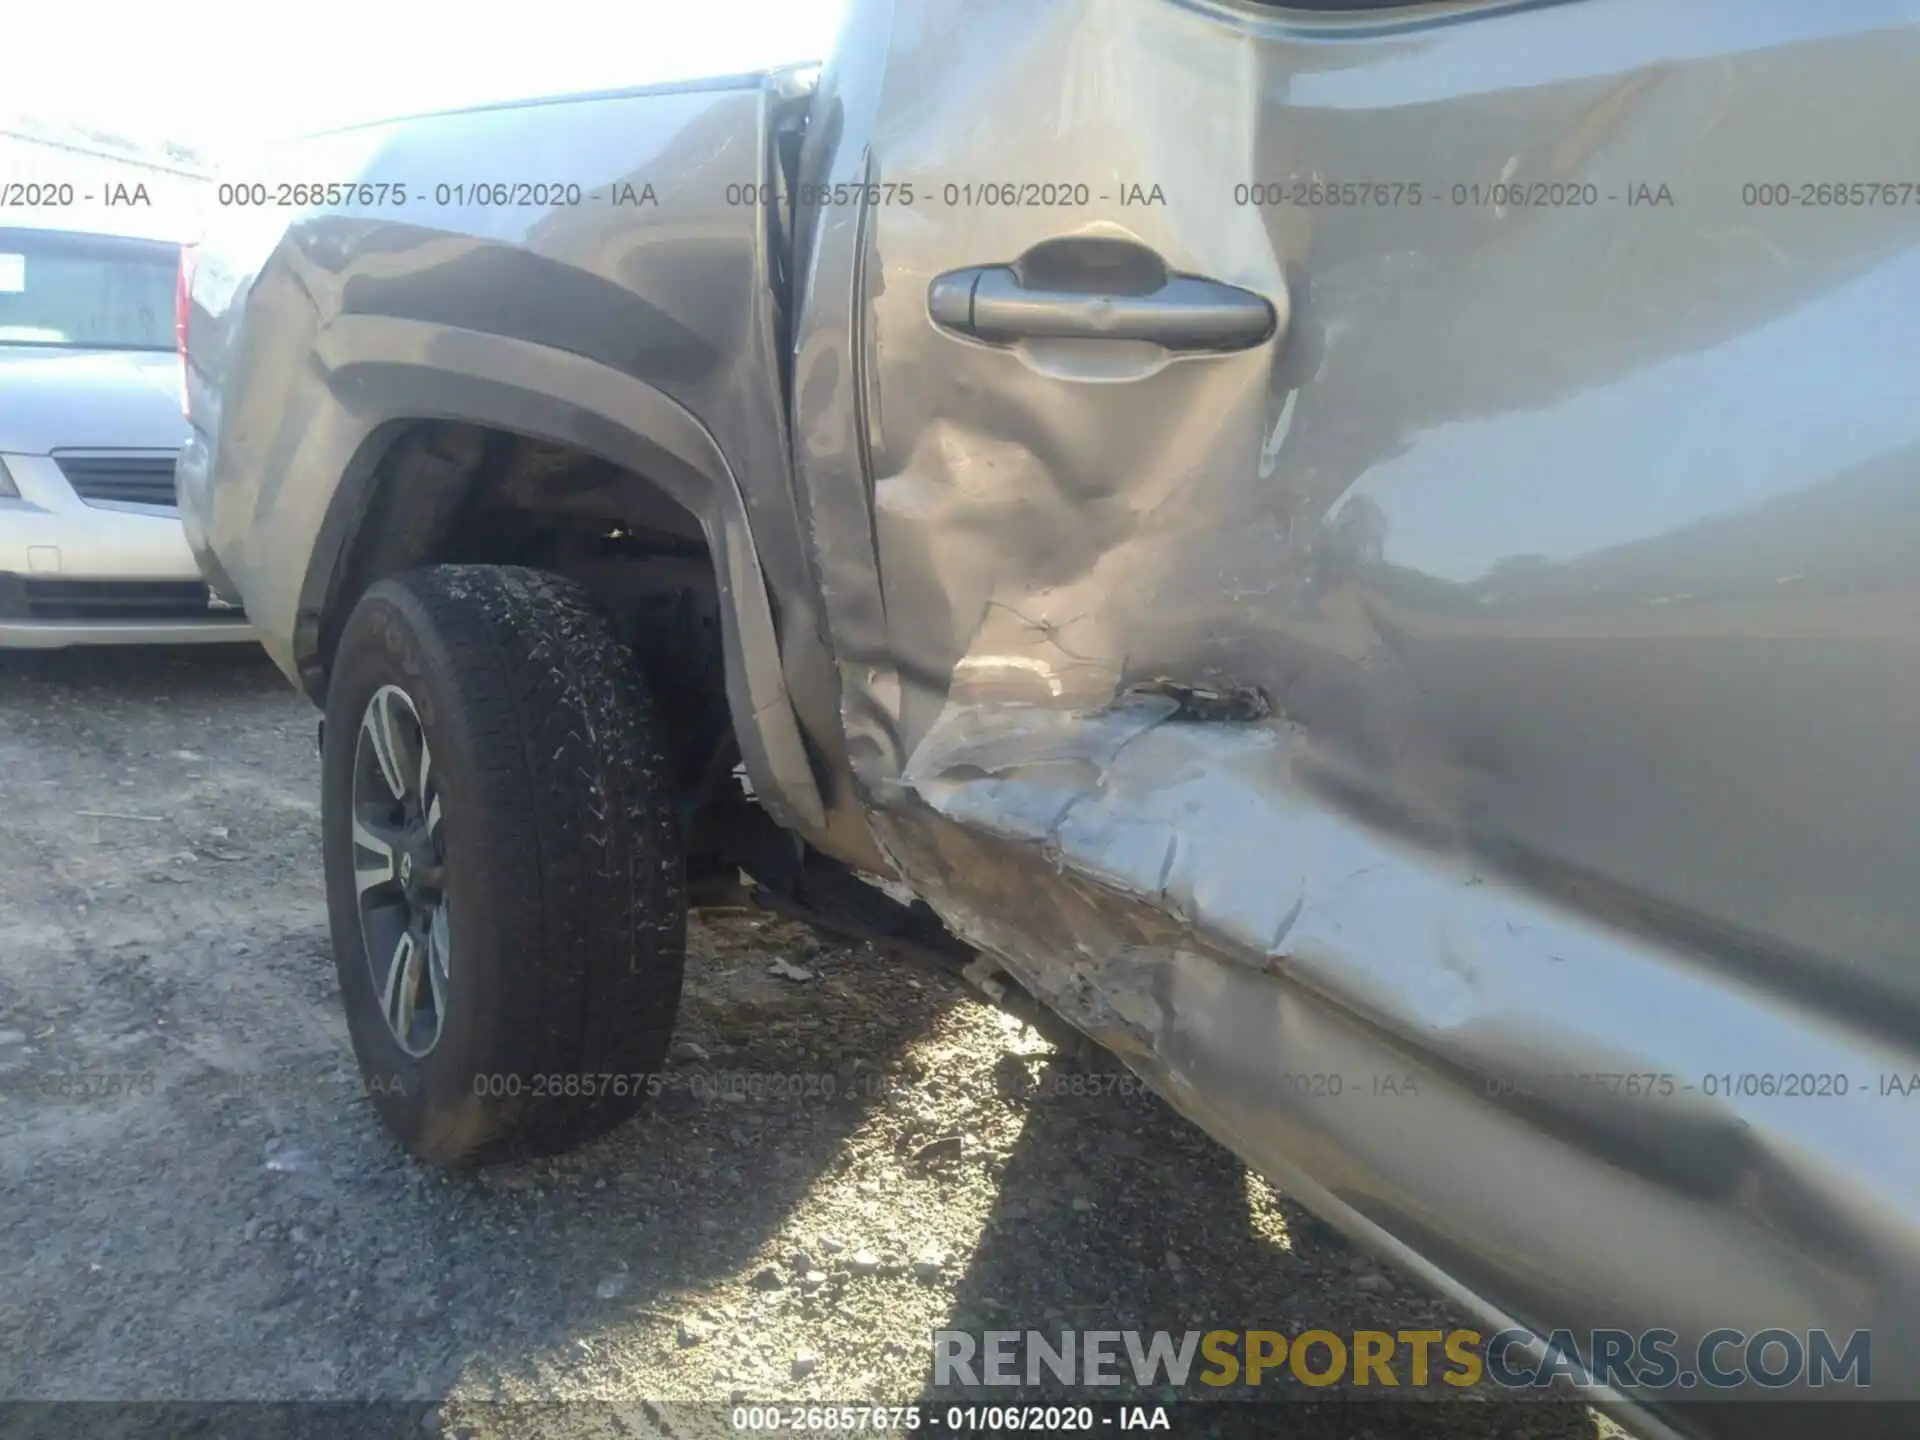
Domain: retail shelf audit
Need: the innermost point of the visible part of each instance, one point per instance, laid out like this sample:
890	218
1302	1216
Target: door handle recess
1187	312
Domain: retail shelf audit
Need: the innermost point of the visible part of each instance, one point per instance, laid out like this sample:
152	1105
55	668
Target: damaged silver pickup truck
1365	556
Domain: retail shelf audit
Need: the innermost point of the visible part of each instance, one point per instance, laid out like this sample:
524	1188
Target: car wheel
505	879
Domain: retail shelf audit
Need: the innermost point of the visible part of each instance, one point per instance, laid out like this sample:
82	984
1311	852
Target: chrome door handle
989	302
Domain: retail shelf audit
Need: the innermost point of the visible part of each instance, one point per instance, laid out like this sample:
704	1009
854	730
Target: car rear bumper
58	635
74	572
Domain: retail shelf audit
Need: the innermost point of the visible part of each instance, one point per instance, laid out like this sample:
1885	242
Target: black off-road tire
564	874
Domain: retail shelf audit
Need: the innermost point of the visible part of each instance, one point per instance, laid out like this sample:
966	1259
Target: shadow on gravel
768	1083
1116	1214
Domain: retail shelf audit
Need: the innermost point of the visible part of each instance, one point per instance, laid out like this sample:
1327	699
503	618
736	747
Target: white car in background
91	549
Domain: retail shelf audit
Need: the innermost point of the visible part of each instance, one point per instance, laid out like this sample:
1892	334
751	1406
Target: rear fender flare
534	390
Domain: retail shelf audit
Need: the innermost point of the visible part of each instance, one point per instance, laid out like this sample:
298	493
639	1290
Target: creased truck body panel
1502	676
625	306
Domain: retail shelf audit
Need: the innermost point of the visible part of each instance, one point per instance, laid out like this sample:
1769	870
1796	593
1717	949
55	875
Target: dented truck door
1343	536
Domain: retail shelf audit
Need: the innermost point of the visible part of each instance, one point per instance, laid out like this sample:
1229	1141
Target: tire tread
583	866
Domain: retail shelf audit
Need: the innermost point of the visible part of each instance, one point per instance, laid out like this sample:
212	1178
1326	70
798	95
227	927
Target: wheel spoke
402	987
442	947
382	869
383	737
437	962
433	818
426	767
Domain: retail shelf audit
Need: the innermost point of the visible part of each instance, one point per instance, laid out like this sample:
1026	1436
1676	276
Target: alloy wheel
399	870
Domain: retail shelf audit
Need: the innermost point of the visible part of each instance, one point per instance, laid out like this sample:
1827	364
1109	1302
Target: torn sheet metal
1400	1032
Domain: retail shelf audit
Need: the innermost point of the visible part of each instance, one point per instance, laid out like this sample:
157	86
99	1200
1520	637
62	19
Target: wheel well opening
454	493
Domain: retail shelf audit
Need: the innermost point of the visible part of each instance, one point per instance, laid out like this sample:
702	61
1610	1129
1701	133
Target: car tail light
182	302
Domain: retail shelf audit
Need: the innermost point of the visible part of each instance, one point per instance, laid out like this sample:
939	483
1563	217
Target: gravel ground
227	1220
